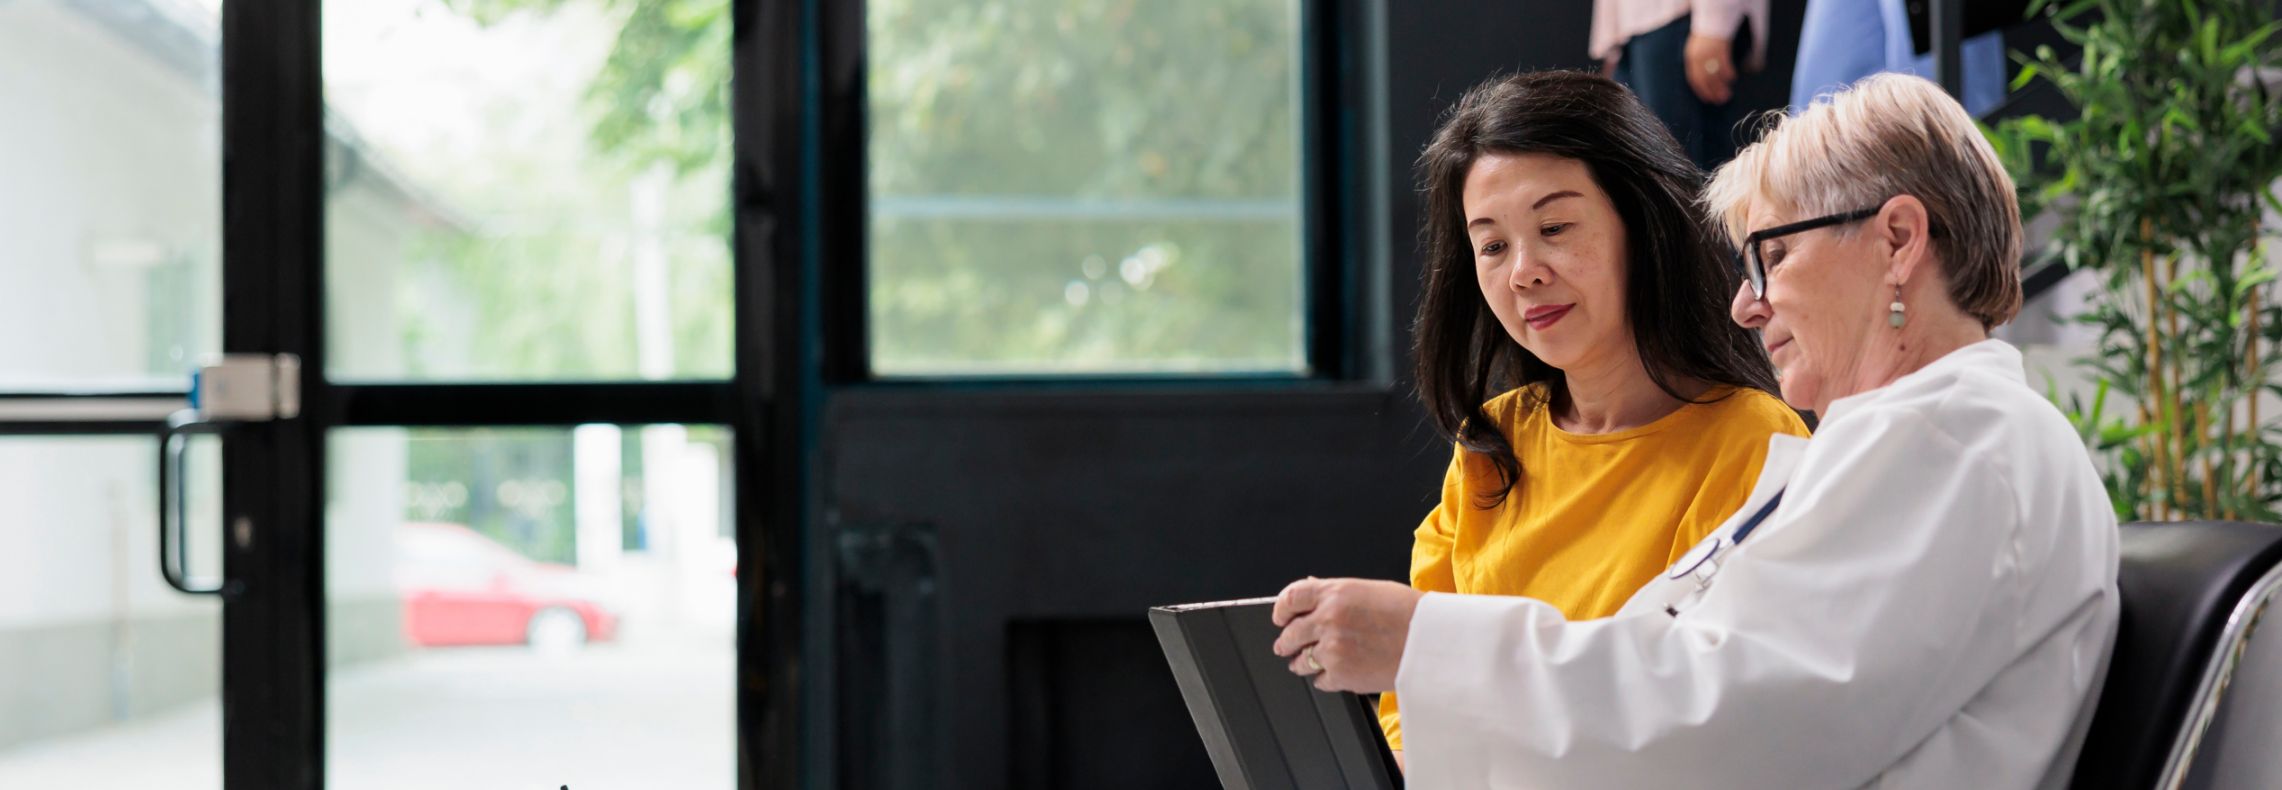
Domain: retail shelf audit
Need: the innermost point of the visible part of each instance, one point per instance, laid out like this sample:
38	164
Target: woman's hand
1348	633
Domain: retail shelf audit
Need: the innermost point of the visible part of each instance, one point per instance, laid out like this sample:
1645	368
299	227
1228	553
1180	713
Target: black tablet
1266	728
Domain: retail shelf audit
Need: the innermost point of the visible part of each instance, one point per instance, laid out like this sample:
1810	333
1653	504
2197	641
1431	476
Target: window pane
528	190
110	193
1078	187
530	608
109	679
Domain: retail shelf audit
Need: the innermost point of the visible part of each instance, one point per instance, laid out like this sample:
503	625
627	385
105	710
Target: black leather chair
2192	591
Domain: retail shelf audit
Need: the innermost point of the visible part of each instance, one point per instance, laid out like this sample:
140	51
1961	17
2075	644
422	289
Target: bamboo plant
2160	185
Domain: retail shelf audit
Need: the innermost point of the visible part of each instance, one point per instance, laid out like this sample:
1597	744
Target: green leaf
2028	74
2255	277
2036	127
2242	49
2075	9
2250	127
2208	39
2178	116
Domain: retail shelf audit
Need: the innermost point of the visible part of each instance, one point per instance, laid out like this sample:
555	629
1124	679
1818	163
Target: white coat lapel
1667	593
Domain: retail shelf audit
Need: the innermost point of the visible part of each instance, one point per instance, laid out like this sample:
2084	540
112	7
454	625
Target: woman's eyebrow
1553	197
1566	193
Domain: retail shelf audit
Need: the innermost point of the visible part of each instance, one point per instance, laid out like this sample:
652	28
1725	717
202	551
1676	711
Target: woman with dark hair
1573	341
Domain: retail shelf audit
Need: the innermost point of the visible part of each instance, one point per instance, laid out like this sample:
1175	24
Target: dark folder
1266	728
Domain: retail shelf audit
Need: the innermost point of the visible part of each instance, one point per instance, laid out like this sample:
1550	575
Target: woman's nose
1748	309
1529	273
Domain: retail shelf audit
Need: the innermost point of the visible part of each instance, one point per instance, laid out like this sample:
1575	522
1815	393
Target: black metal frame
778	384
547	403
1328	140
838	112
273	632
1948	20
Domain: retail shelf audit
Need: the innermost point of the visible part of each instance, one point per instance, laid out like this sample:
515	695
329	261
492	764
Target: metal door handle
173	503
226	389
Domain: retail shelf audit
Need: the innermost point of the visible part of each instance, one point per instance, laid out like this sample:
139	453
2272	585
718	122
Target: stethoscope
1702	566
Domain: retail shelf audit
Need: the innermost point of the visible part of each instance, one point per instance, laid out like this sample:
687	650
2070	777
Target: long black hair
1679	274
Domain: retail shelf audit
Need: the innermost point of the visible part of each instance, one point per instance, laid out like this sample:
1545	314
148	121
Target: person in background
1685	59
1843	41
1572	345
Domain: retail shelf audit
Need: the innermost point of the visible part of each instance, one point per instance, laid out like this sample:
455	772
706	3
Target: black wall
1045	520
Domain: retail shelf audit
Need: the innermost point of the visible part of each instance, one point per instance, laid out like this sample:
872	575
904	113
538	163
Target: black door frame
273	231
273	302
274	474
932	700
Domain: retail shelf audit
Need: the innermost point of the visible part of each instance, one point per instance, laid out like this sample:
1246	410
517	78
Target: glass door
537	194
521	502
111	253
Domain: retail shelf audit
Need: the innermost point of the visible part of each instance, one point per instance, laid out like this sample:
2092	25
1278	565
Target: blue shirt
1842	41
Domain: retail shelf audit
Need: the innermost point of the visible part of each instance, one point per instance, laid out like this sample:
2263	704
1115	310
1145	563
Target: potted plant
2160	185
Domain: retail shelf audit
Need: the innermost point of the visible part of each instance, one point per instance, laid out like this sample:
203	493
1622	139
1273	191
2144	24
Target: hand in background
1711	67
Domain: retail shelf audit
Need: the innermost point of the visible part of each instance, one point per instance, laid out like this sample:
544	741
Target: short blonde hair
1889	135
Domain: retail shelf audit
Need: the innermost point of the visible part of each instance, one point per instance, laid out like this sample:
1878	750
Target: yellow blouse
1596	515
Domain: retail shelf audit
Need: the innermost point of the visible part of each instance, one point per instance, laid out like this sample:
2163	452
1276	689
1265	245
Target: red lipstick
1545	316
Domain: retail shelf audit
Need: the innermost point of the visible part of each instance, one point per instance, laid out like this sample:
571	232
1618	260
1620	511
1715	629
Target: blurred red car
461	588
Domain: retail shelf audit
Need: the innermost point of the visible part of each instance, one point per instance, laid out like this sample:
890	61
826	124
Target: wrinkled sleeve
1840	635
1717	18
1430	567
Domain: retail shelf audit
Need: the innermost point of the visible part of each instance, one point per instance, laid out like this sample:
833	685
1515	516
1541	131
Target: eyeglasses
1755	267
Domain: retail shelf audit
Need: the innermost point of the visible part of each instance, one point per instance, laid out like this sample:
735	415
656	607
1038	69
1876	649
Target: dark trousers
1652	67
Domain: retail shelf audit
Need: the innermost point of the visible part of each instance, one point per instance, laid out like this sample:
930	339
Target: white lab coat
1930	606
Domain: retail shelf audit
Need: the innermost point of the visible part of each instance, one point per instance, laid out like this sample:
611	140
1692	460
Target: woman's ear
1906	230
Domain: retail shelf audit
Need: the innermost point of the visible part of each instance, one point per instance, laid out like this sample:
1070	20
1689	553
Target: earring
1897	318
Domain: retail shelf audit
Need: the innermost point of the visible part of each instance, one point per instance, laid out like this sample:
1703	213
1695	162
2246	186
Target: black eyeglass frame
1754	267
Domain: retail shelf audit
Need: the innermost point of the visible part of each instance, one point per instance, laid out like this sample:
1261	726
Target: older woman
1923	595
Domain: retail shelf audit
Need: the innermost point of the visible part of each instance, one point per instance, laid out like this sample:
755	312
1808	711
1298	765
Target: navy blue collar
1756	518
